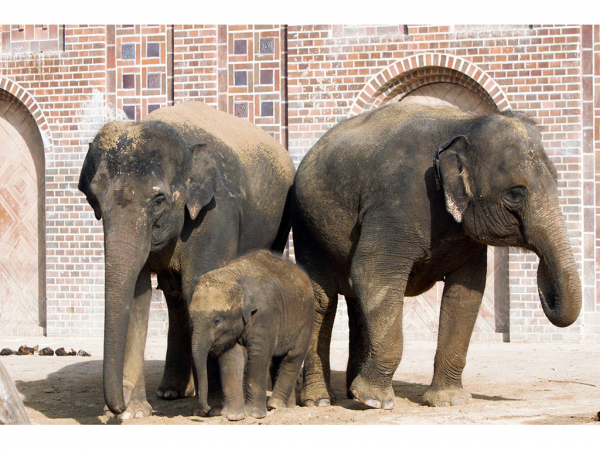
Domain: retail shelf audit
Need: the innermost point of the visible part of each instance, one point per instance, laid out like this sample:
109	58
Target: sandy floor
510	383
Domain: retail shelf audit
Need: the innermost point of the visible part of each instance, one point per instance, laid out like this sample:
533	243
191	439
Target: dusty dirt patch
510	383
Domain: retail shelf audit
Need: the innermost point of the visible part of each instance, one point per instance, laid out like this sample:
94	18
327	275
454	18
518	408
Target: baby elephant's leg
283	389
259	357
275	370
231	366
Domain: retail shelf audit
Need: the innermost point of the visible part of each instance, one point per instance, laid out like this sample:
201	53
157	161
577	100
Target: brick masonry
73	79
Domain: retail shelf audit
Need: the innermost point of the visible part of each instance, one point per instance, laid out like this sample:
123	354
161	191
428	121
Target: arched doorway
421	313
22	237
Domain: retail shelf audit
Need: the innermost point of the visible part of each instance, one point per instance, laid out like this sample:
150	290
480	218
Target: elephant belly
418	285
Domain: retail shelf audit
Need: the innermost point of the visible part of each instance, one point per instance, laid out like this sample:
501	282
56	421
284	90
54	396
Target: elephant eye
218	321
515	195
159	202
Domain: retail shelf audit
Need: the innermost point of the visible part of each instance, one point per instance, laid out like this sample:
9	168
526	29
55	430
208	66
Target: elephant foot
135	410
446	397
371	396
312	396
229	413
258	412
276	403
171	391
200	411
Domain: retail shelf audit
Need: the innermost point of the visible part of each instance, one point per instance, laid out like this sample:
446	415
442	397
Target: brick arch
406	75
12	92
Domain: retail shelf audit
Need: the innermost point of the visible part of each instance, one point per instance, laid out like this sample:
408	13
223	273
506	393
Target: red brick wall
78	84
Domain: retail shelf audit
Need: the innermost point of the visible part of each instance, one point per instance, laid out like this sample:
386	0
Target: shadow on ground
75	392
412	392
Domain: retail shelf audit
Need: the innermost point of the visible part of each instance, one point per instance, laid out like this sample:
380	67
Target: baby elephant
264	303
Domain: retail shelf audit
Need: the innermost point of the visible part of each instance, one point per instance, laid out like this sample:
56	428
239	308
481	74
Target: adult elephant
391	201
182	192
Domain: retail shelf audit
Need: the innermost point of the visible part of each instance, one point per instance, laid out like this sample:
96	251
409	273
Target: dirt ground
553	383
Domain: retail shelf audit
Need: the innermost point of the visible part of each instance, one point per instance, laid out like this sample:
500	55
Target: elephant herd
386	204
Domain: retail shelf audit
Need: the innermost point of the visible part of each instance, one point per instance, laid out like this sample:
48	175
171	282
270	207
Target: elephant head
140	179
219	312
500	184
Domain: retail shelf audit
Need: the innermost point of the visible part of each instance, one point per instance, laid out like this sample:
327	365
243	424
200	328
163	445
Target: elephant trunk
558	281
200	351
125	256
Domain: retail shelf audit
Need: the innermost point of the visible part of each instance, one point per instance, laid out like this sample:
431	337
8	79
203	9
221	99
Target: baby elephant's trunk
200	351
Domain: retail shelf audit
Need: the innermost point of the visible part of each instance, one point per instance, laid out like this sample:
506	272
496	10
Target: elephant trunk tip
558	316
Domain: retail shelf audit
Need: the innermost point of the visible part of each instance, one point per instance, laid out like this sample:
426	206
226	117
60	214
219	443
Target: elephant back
197	122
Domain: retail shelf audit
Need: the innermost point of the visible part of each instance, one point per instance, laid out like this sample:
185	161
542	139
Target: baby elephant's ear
248	305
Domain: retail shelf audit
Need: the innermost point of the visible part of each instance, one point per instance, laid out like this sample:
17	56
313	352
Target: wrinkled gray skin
265	303
181	193
396	199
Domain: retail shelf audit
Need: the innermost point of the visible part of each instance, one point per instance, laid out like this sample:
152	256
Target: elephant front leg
134	386
177	380
463	293
231	368
259	359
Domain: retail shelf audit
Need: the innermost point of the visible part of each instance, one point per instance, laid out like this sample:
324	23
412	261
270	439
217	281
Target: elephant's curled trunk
559	285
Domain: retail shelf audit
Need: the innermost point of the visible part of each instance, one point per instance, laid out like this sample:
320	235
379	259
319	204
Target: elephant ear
88	171
204	180
452	175
248	301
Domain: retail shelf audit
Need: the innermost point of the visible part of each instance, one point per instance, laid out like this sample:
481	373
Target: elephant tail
285	226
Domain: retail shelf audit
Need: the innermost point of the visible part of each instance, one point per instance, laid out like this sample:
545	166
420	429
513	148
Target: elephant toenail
388	405
125	416
373	403
458	401
139	415
309	403
170	394
324	402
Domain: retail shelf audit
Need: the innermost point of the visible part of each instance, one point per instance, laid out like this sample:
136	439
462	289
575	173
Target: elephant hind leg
284	394
358	349
379	279
317	369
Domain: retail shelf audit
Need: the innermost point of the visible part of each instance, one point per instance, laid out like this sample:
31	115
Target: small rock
24	350
83	353
7	351
72	353
46	352
61	352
